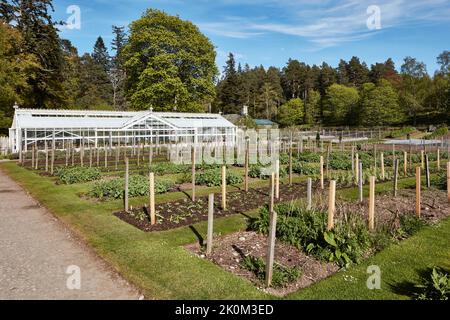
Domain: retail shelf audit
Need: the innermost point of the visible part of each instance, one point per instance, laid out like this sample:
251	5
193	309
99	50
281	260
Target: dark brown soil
229	250
184	212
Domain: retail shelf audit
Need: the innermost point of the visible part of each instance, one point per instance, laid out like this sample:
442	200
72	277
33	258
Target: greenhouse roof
47	119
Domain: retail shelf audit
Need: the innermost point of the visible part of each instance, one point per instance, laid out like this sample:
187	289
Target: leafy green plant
410	224
212	178
439	132
77	174
137	186
435	286
162	168
281	276
441	181
305	168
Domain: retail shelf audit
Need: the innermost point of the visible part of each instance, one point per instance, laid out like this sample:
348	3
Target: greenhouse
58	129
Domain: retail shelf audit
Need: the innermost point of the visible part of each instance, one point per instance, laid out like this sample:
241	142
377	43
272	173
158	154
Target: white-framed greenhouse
59	129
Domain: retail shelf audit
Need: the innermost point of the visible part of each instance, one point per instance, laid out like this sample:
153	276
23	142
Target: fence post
396	176
360	182
272	234
438	155
247	158
427	171
209	236
372	203
448	181
290	161
309	194
405	163
331	205
322	186
193	172
46	157
277	179
152	198
224	187
422	159
126	185
383	175
357	168
418	185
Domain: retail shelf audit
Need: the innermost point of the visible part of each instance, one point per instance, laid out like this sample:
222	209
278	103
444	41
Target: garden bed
183	212
230	250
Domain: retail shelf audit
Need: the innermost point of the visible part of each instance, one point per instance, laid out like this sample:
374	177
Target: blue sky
269	32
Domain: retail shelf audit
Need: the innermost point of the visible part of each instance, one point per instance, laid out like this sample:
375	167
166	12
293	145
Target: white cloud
326	23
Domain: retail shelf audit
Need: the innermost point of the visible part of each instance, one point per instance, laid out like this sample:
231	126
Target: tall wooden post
271	239
322	186
209	236
138	155
309	194
331	205
396	163
405	163
418	185
224	187
126	185
152	198
383	175
247	159
193	156
357	168
52	159
422	159
360	181
427	171
67	155
277	179
32	157
290	160
46	157
438	159
90	156
448	181
371	203
106	157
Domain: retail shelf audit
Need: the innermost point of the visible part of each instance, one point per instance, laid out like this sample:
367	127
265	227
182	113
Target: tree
443	61
230	92
291	113
101	55
170	64
117	74
341	101
40	38
312	108
357	72
379	105
269	99
16	67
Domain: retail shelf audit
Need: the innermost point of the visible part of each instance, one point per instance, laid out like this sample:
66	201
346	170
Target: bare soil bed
229	250
184	212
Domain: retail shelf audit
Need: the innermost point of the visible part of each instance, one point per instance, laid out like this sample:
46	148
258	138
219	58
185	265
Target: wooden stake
193	171
360	181
371	203
126	185
106	158
224	187
422	159
90	156
405	163
309	194
448	181
152	198
271	239
46	157
331	205
322	186
396	163
418	185
357	168
438	155
277	179
427	171
32	157
209	236
383	175
290	161
247	158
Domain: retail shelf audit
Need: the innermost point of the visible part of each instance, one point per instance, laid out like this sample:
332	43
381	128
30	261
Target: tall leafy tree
443	61
117	74
341	101
170	64
291	113
379	105
33	20
357	72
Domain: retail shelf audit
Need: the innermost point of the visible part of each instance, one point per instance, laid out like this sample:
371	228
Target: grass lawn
157	263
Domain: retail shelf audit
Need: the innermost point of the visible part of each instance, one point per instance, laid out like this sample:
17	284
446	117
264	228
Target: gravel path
36	251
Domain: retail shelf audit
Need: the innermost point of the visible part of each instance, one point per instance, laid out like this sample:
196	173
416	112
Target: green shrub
305	168
410	224
213	178
137	186
435	286
401	132
307	230
439	132
308	157
162	168
77	174
441	181
281	276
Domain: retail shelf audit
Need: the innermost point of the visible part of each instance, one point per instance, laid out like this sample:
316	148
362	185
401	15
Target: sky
269	32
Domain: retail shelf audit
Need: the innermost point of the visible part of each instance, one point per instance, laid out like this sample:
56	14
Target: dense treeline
350	94
166	63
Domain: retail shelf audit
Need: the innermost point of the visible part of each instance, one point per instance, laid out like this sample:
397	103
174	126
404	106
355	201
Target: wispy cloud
327	23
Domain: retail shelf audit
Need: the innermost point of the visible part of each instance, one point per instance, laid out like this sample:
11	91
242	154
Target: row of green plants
71	175
348	243
138	185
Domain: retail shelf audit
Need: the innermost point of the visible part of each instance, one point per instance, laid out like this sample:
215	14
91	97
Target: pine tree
101	55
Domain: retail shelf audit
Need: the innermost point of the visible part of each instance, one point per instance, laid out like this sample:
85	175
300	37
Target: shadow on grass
198	235
411	289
